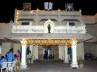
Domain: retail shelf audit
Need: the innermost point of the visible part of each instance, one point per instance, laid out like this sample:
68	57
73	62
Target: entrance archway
54	47
62	44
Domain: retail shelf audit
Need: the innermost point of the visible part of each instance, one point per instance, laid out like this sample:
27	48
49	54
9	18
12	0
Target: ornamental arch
49	26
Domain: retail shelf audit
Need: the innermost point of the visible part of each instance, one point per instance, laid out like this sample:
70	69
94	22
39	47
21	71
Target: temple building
65	35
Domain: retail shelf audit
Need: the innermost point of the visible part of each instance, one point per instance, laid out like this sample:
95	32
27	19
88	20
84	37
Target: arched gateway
56	49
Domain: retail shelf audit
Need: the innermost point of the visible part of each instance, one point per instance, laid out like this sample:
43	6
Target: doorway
49	52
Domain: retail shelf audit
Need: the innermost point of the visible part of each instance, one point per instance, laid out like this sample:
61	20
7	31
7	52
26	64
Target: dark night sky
7	7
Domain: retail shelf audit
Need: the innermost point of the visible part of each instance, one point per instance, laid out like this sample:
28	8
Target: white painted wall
5	47
91	48
35	52
62	52
80	51
16	46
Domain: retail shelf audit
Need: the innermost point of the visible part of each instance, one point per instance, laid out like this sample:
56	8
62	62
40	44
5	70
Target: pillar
35	52
74	63
61	52
66	55
23	54
80	51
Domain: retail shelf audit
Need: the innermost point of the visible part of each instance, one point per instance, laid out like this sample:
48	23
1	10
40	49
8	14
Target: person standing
18	59
2	59
10	56
10	59
46	55
18	55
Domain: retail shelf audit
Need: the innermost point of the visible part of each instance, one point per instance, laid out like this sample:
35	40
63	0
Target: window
71	23
25	23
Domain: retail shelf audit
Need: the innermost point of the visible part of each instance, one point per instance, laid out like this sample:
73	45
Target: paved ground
60	67
89	66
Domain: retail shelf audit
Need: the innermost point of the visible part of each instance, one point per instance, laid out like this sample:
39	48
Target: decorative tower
69	7
27	6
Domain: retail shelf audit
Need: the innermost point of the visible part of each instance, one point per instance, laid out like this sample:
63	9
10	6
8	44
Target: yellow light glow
17	12
59	10
48	42
24	42
17	16
74	41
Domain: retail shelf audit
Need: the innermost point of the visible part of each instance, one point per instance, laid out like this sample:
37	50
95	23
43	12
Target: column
23	56
80	51
35	52
66	55
61	52
74	63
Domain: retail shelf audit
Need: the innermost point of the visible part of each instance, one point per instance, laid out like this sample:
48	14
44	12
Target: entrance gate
50	46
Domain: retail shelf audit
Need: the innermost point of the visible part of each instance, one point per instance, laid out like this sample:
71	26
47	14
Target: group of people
10	57
48	54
